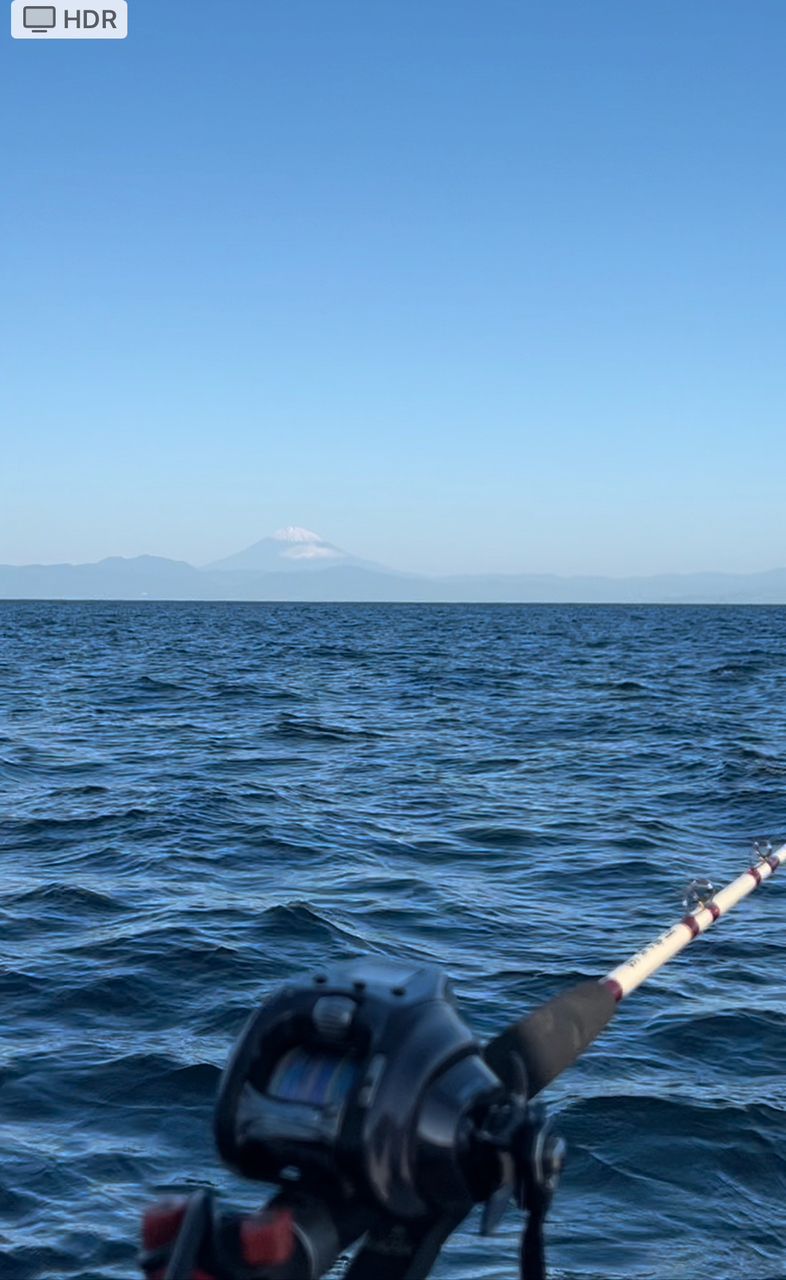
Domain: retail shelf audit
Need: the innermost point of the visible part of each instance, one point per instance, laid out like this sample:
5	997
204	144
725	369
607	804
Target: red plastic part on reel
268	1239
162	1222
161	1226
195	1275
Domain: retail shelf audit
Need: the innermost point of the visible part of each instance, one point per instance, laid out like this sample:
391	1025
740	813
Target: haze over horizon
468	289
297	547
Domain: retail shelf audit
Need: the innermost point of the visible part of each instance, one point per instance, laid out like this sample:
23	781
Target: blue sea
199	801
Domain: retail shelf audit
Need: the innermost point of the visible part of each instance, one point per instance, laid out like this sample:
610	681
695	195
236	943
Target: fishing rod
536	1050
362	1095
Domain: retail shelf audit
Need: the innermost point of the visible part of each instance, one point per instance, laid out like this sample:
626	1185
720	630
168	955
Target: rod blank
626	977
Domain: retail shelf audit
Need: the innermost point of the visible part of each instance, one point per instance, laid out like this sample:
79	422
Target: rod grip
534	1051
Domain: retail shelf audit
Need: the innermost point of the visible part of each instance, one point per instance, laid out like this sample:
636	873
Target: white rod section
626	977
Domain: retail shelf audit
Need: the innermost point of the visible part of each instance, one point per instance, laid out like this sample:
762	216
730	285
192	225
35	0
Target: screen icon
39	18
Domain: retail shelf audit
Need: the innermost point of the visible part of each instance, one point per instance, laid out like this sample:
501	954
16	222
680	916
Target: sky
462	286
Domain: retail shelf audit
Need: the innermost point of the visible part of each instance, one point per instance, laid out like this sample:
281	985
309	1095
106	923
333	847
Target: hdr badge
70	20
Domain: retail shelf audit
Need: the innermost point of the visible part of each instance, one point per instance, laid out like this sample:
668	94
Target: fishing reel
364	1098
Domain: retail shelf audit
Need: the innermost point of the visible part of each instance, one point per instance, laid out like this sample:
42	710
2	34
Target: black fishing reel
363	1096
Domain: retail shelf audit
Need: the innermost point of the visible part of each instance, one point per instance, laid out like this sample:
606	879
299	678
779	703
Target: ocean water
199	801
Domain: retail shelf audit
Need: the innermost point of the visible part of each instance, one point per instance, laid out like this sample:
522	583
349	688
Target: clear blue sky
460	284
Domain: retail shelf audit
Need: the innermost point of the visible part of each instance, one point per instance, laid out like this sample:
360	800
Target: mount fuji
288	549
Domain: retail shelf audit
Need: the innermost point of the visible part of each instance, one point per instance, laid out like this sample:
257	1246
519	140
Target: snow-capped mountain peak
288	548
294	533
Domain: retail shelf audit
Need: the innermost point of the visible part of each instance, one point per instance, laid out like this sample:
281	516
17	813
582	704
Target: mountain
112	579
297	564
288	549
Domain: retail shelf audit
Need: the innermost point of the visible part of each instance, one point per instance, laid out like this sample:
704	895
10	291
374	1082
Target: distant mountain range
296	564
